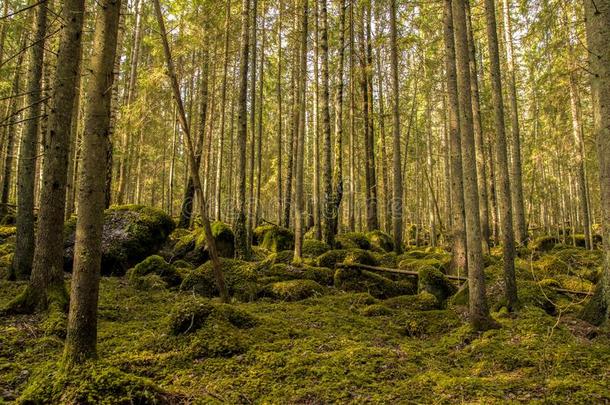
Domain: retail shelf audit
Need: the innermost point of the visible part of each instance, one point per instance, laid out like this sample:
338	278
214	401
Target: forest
304	201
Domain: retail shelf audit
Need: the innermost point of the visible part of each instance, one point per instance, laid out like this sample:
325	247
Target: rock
352	279
432	281
155	265
193	247
381	241
293	290
131	233
273	238
240	278
313	248
353	240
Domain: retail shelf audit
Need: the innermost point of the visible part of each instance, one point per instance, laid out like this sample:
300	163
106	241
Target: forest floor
334	347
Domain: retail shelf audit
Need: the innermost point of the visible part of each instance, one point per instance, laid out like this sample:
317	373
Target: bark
46	288
241	235
259	142
317	203
397	202
504	197
280	151
478	135
597	15
458	237
515	141
82	321
253	39
479	312
328	233
299	198
24	248
220	281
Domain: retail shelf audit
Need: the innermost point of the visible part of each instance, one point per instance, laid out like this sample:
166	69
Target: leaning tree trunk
458	238
24	248
504	199
81	339
46	288
190	149
479	312
597	15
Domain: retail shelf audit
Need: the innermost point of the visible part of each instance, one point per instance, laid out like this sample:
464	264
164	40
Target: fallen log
388	270
575	292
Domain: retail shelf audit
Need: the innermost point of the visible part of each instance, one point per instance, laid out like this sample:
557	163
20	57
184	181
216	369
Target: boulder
131	233
273	238
193	247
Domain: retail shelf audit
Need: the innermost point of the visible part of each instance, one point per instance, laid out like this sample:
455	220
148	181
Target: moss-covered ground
338	347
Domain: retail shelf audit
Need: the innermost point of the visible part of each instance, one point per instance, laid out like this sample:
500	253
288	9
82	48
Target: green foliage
155	265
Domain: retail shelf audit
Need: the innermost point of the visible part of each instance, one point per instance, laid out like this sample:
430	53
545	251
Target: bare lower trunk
396	161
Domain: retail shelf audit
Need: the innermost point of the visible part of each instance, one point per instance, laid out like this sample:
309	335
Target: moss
360	256
282	272
413	264
539	295
92	383
424	301
331	258
350	279
240	278
381	241
285	257
193	247
544	243
376	310
274	238
131	233
6	231
596	311
431	280
389	260
155	265
313	248
428	323
353	240
183	264
219	340
293	290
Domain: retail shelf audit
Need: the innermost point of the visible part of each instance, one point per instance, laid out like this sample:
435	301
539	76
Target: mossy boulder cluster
193	247
131	233
273	238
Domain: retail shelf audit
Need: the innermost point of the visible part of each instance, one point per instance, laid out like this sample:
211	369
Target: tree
82	321
328	233
397	165
479	312
597	16
458	237
502	165
242	247
46	288
24	248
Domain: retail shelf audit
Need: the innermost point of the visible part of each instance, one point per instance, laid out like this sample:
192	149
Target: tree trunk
82	321
397	202
458	239
220	281
503	184
253	39
241	235
24	248
597	15
299	198
515	141
280	151
479	312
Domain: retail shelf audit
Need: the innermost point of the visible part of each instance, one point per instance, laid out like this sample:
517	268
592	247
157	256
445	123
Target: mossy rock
595	310
156	265
544	243
424	301
131	233
331	258
293	290
540	295
217	340
389	260
193	247
192	314
6	231
360	256
313	248
283	272
285	257
431	280
425	324
351	279
381	241
240	279
273	238
353	240
412	264
92	383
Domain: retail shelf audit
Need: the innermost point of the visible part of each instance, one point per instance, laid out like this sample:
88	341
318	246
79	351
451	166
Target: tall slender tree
397	189
81	338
